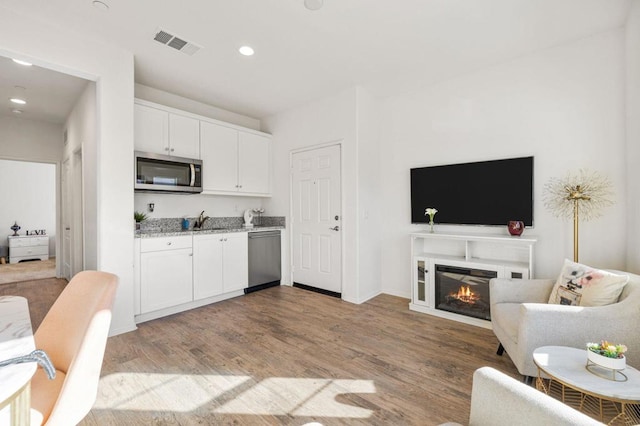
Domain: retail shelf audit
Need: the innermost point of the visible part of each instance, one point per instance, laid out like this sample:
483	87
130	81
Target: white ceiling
387	46
50	95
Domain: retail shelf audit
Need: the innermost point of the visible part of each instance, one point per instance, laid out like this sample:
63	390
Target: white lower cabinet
235	265
166	272
220	264
207	266
174	274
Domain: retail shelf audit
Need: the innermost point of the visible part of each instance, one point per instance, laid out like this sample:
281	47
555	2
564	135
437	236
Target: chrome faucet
200	220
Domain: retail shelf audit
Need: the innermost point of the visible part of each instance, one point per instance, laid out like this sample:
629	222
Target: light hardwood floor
289	356
40	293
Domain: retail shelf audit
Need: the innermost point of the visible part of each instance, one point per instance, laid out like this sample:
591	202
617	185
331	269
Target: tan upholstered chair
74	335
522	320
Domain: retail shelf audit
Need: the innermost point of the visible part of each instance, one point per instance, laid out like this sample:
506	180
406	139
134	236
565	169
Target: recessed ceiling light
100	5
313	4
16	111
17	95
246	50
21	62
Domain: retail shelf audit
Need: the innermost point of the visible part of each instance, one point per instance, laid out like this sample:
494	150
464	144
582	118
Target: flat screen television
481	193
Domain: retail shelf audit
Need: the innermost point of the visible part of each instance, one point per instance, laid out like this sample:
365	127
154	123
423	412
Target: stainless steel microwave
164	173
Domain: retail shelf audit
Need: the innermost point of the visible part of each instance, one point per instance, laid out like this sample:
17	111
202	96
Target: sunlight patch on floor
300	397
178	392
272	396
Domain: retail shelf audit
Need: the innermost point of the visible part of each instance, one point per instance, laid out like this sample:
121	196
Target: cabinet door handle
172	149
166	148
169	243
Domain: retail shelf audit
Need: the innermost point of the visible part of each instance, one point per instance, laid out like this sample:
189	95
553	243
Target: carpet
27	271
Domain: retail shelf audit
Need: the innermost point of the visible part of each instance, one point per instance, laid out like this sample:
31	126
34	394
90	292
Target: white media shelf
507	256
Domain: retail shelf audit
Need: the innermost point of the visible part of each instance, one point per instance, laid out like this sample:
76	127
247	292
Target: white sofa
497	399
523	321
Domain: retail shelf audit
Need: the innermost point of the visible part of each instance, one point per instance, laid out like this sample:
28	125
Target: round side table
562	372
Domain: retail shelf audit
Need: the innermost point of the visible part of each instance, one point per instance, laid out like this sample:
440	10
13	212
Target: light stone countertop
161	233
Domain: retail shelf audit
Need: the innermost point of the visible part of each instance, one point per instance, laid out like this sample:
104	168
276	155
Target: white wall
329	120
633	136
169	99
81	127
38	141
369	213
180	205
28	197
563	105
22	139
51	46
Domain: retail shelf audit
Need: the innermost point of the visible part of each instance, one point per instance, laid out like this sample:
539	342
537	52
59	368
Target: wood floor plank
286	356
294	357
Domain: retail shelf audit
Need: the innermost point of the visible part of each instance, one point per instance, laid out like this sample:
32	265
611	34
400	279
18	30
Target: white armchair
523	321
497	399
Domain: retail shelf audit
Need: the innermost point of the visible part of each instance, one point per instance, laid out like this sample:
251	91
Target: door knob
335	228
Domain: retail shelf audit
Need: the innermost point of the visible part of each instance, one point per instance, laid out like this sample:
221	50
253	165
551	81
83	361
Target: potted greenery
139	217
607	355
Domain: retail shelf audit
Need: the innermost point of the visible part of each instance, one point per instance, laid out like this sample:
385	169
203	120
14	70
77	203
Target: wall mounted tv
480	193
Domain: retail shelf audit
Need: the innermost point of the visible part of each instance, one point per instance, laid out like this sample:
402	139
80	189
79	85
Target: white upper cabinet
254	152
234	162
163	132
219	149
151	129
184	136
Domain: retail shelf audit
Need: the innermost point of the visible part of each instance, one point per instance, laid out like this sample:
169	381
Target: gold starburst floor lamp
584	193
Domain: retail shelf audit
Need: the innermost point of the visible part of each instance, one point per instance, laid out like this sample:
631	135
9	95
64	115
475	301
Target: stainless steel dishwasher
264	260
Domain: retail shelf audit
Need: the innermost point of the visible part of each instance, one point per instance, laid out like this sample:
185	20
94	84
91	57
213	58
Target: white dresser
28	247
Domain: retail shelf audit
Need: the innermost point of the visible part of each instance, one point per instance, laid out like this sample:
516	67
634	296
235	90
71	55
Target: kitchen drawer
28	241
28	251
165	243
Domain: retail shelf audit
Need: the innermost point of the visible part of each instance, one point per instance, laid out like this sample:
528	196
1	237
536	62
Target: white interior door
77	216
66	219
72	216
317	218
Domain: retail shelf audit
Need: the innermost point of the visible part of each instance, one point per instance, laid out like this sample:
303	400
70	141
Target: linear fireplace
463	291
463	264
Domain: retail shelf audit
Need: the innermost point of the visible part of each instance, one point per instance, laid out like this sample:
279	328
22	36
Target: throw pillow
586	286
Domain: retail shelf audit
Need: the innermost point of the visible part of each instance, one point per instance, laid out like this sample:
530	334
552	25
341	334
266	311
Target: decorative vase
606	362
515	227
431	226
15	228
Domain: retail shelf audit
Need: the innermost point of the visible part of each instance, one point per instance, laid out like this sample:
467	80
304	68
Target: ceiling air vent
171	40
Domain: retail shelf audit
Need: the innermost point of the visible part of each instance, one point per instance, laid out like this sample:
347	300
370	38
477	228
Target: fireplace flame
465	294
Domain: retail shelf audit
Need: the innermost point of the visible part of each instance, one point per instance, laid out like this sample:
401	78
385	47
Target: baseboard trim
261	287
318	290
